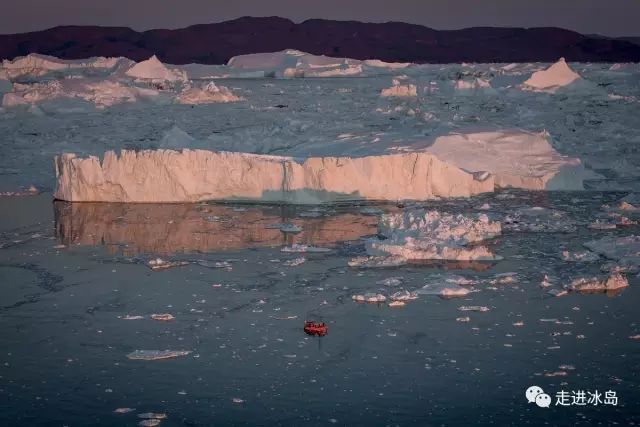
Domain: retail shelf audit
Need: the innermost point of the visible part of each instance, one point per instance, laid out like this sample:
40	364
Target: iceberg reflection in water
178	228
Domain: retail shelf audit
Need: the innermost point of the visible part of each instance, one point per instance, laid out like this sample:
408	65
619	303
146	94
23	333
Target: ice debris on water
478	308
539	220
390	281
153	415
123	410
129	317
149	423
161	264
214	264
613	282
417	234
377	261
583	256
369	297
304	248
397	304
156	354
163	317
295	262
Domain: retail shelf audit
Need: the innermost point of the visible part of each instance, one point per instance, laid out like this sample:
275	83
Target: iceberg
196	175
516	158
36	64
550	80
155	71
208	94
400	90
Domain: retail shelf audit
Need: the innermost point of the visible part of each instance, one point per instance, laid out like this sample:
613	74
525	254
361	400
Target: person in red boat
319	329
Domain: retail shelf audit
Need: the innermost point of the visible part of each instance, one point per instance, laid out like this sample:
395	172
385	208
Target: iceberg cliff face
197	175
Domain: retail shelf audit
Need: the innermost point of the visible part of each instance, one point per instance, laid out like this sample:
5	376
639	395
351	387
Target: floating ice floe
583	256
538	220
377	261
123	410
295	262
478	308
208	94
594	284
156	354
625	251
369	297
431	235
161	264
198	175
390	281
553	78
515	159
304	248
163	317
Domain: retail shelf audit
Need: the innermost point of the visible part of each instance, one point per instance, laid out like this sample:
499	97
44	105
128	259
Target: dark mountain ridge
391	41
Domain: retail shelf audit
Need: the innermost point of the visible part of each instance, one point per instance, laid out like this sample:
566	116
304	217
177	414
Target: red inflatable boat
315	328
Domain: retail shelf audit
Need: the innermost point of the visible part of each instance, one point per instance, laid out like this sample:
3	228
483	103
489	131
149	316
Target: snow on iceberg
196	175
432	235
208	94
155	71
516	158
550	80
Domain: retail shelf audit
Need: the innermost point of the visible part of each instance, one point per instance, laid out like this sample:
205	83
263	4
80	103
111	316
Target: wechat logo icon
536	395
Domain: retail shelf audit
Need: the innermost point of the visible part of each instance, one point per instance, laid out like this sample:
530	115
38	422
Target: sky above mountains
610	18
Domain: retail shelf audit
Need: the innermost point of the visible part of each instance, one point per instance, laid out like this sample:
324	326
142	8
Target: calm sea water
70	273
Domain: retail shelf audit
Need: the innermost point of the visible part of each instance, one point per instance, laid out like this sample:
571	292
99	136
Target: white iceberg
556	76
197	175
516	158
155	71
36	64
208	94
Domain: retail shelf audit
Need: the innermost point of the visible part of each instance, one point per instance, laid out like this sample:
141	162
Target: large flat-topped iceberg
197	175
517	159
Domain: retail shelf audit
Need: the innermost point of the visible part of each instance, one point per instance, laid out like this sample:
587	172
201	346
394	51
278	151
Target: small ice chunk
124	410
478	308
584	256
164	317
161	264
153	415
377	261
369	297
295	262
390	281
304	248
403	296
156	354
